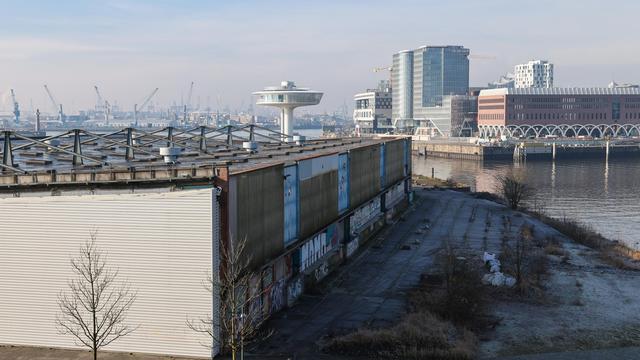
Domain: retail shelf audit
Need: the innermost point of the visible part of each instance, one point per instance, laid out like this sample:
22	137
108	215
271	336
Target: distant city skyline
231	49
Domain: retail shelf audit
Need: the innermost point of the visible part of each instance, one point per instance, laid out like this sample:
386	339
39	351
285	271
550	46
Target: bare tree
240	307
513	189
94	308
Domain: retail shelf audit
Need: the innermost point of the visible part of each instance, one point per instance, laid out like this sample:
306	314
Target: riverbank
580	302
600	193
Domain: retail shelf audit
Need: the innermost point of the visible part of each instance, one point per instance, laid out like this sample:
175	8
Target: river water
604	194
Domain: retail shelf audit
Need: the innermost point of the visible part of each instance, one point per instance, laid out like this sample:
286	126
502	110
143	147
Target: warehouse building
163	203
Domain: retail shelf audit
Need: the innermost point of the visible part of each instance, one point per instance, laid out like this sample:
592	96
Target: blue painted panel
407	153
343	183
382	164
291	204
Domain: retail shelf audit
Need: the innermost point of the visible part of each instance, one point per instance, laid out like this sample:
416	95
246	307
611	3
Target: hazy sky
231	48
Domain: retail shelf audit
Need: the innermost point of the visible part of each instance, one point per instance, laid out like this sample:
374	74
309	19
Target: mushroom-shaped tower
287	97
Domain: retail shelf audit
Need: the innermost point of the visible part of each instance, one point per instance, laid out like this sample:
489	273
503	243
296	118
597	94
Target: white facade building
287	97
165	243
372	113
534	74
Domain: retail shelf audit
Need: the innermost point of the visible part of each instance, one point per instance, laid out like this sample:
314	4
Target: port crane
144	103
61	117
16	107
101	103
187	105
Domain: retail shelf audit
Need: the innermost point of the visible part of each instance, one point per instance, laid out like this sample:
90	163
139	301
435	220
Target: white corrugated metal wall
161	242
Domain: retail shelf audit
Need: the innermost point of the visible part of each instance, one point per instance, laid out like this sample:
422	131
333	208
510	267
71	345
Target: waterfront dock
543	149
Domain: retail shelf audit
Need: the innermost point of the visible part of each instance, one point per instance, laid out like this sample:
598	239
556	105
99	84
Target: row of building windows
491	116
491	107
559	106
491	101
558	116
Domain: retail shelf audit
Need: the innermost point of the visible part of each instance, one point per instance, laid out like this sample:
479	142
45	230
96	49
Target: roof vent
299	139
250	146
170	154
52	142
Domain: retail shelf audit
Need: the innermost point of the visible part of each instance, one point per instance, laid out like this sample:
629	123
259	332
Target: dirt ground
587	305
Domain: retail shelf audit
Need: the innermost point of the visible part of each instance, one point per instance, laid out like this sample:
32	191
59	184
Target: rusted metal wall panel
260	212
364	174
394	161
318	202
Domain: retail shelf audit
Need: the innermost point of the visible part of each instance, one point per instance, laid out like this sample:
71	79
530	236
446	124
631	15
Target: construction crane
382	68
101	103
144	103
58	107
16	107
187	105
190	93
481	57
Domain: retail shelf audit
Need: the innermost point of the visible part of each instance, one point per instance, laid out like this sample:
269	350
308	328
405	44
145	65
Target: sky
232	48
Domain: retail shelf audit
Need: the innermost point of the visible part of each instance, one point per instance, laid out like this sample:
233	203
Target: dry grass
581	339
611	252
441	309
426	181
555	249
419	335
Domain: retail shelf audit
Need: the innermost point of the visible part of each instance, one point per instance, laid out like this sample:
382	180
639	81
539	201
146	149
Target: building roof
561	91
106	158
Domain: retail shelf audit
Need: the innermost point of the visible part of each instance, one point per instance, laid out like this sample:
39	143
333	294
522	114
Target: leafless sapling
94	307
240	307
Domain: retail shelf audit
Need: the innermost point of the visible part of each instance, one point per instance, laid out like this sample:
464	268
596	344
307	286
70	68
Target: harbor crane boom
57	106
144	103
16	107
102	103
188	103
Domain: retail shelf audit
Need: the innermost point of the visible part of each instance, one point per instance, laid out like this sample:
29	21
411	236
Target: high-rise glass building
423	77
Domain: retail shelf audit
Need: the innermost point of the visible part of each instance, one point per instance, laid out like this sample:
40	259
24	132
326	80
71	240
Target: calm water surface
604	194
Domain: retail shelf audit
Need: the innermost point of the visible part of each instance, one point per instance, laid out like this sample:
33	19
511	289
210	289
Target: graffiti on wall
352	246
343	183
316	247
321	271
277	296
294	290
365	214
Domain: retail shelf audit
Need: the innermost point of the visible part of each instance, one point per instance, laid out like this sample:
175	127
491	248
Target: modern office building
534	74
559	111
457	116
372	113
421	79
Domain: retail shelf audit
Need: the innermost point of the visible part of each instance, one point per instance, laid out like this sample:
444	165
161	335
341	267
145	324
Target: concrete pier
526	150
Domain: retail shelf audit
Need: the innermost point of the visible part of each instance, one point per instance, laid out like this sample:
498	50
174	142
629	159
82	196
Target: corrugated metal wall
161	243
318	202
290	204
364	174
394	161
259	212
